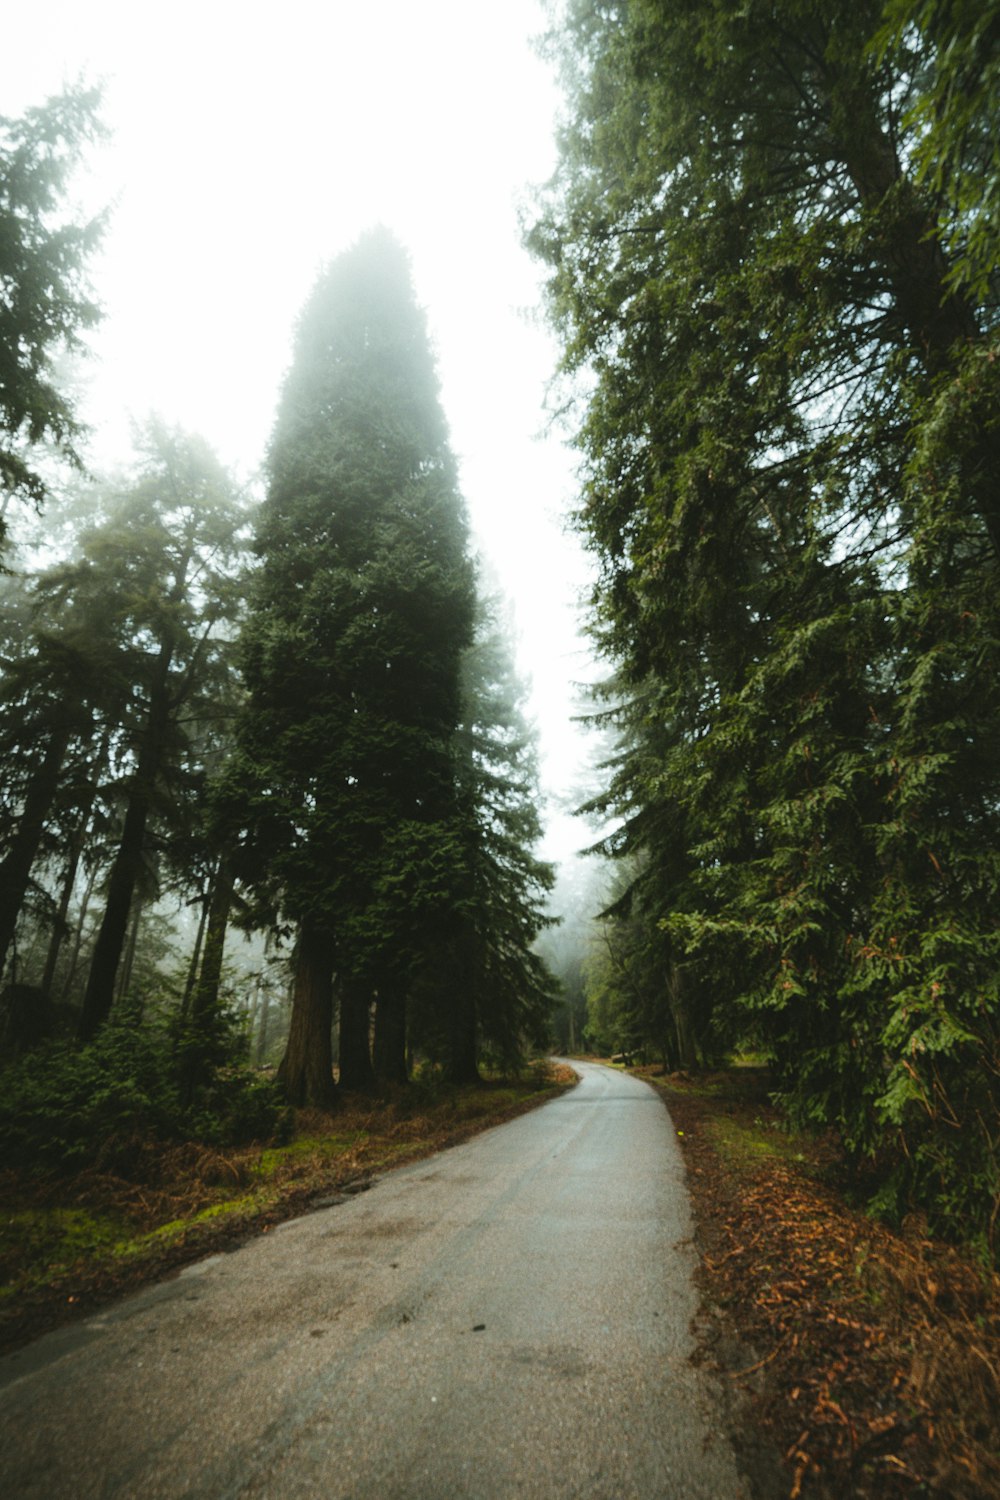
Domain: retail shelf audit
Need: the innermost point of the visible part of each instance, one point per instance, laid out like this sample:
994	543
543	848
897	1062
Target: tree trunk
205	999
356	1074
99	995
127	867
60	927
463	1054
686	1051
306	1070
263	1020
201	1051
389	1052
81	922
60	930
195	963
128	962
15	870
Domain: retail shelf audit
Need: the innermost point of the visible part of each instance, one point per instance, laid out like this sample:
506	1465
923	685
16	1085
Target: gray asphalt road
509	1318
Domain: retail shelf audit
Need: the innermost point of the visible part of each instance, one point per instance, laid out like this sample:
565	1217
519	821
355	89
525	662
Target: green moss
323	1146
57	1234
674	1083
747	1144
167	1234
37	1244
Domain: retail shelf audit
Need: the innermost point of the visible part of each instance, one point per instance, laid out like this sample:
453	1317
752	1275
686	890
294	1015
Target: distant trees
113	692
44	302
772	242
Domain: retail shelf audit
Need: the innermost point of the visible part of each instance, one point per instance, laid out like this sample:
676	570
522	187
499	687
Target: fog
246	149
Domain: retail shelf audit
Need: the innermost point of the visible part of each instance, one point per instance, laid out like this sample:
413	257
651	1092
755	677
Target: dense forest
770	250
289	720
771	247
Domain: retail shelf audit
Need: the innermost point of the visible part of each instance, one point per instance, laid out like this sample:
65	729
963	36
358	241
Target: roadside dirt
863	1363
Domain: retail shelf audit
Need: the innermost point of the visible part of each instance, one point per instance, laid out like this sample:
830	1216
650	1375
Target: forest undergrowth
72	1240
866	1360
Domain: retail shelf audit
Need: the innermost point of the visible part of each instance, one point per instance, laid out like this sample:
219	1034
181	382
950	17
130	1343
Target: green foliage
105	1105
362	606
953	117
772	244
44	302
382	790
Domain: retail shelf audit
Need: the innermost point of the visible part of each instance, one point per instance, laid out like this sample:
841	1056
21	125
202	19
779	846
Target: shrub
65	1107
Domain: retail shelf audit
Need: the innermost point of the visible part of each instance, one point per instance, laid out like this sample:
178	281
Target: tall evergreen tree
45	304
768	246
164	560
488	989
362	608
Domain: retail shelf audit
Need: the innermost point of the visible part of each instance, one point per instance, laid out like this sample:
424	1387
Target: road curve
508	1318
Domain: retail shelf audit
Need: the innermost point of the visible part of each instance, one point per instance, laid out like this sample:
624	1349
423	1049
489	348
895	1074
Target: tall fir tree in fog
45	304
362	609
164	560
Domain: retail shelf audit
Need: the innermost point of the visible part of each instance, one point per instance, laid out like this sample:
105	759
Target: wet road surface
510	1318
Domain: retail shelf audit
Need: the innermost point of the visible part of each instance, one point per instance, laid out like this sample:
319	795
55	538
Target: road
510	1318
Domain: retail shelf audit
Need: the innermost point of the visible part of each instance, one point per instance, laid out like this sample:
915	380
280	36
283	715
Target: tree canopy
771	245
45	303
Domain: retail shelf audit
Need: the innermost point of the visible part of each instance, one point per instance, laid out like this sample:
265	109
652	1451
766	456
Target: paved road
509	1318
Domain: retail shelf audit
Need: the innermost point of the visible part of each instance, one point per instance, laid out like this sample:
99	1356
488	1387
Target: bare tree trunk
78	937
205	999
306	1070
356	1074
264	1018
686	1050
192	973
15	869
60	926
128	959
463	1053
127	865
201	1036
264	991
60	930
389	1051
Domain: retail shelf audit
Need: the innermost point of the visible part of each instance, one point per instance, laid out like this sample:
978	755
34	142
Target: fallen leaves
887	1345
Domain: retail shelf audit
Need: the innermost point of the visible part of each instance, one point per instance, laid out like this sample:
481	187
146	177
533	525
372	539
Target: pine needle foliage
45	303
771	240
343	777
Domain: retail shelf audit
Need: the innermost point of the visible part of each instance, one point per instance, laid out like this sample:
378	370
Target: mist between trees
295	718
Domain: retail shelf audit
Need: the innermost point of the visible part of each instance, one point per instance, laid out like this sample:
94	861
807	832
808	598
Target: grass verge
71	1241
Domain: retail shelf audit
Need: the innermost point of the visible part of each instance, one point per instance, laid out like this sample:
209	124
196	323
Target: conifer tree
488	989
362	608
46	305
772	243
163	561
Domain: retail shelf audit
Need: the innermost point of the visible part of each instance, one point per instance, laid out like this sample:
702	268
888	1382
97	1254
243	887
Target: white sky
252	144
